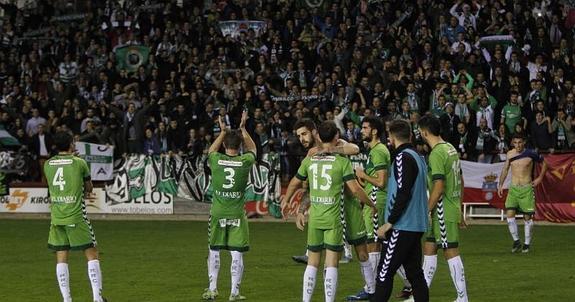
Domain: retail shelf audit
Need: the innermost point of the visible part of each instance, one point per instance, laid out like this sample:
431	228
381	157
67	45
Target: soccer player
406	216
374	177
327	173
228	225
307	134
355	230
69	181
521	195
444	181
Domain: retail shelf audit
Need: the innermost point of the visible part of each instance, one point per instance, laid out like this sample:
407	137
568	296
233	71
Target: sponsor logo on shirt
228	194
229	163
64	199
321	157
322	200
60	162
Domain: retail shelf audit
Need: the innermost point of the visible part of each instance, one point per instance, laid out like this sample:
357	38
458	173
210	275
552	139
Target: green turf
165	261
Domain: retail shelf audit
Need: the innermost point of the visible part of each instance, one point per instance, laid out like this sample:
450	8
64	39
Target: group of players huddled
383	209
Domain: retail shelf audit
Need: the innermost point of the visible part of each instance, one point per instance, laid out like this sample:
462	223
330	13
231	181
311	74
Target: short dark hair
233	139
62	141
518	135
327	131
305	122
400	129
430	123
374	123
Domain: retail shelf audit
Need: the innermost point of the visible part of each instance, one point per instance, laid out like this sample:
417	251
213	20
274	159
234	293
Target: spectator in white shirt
466	18
460	40
34	122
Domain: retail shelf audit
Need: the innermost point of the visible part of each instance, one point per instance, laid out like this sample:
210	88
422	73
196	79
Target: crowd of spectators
341	61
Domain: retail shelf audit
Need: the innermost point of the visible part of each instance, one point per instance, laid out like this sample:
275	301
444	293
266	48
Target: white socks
95	275
403	275
330	283
63	277
528	228
309	282
237	270
213	269
429	267
368	276
512	224
347	250
458	278
374	261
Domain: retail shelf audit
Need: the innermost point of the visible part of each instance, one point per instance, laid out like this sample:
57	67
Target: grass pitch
166	261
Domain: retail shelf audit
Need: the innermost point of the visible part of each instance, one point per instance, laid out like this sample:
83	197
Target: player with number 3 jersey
228	225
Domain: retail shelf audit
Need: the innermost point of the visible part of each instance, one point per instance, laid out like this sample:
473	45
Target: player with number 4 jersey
69	180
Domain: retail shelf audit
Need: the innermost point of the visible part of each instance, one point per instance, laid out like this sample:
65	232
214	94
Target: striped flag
481	182
6	139
100	159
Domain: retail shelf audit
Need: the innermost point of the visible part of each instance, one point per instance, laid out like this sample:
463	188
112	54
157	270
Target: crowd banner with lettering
100	159
149	181
234	28
555	196
142	185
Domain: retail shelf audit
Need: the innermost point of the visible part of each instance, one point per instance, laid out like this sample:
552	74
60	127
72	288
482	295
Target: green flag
131	57
6	139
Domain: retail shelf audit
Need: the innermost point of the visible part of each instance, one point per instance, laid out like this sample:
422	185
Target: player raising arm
521	196
327	173
69	181
228	224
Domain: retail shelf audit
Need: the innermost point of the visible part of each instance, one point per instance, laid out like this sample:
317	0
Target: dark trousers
402	248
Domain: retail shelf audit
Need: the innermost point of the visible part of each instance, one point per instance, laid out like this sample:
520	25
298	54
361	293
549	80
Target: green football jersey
512	115
66	175
327	175
444	164
230	176
378	159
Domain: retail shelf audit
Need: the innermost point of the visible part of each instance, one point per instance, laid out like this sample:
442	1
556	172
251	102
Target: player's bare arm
504	174
379	180
294	184
539	178
358	191
249	144
342	147
436	193
88	187
345	148
217	144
